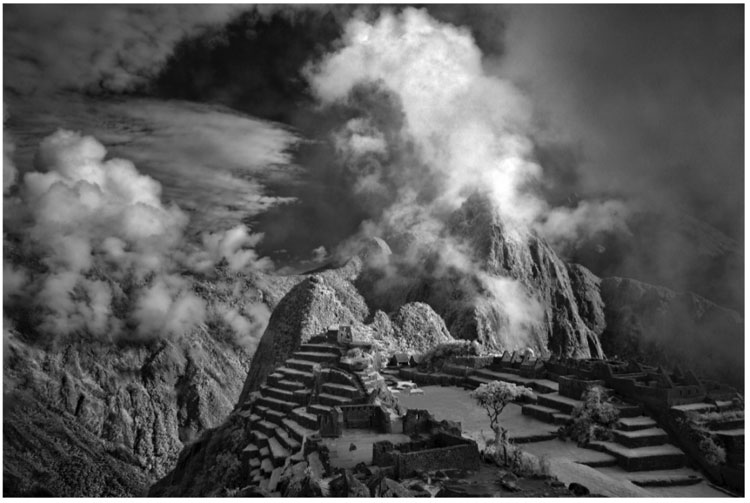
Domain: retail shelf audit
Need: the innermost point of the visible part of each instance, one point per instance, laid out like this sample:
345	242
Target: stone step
279	394
318	409
288	385
302	396
260	410
546	414
274	378
342	390
316	357
275	416
694	407
250	452
278	405
254	463
266	467
304	418
266	427
333	400
297	431
301	376
265	451
636	423
278	452
303	365
320	348
641	438
629	410
657	457
261	440
557	401
286	441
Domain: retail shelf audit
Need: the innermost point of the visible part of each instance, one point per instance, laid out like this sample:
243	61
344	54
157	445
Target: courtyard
567	461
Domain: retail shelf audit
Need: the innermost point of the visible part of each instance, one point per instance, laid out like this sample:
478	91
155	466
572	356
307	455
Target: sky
312	124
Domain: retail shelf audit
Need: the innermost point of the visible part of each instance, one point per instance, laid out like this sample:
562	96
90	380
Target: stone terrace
285	412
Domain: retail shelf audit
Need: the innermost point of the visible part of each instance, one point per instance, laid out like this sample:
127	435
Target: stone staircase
638	443
282	417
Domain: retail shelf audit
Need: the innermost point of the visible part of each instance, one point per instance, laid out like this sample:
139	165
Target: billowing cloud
94	251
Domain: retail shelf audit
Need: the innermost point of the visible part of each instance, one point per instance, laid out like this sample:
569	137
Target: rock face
94	418
138	404
508	289
659	326
503	251
307	310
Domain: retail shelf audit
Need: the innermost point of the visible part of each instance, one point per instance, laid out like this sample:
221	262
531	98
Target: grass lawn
456	404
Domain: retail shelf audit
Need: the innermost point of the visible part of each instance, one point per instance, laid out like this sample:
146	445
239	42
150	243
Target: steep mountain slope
508	289
119	413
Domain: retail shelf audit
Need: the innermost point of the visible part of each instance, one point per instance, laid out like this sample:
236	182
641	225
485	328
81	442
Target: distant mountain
671	249
662	327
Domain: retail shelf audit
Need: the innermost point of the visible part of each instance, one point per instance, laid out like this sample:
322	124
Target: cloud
564	225
235	246
247	324
96	47
167	308
95	252
218	165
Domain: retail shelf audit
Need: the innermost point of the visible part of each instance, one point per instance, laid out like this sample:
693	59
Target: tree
493	397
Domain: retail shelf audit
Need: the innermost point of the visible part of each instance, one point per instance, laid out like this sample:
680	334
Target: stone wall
573	387
457	456
368	416
474	362
438	452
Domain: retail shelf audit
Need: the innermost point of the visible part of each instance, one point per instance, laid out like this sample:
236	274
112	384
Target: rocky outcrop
87	417
507	252
417	327
491	282
659	326
307	310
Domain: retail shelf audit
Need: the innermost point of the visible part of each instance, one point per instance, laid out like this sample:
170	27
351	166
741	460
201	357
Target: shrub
594	419
713	453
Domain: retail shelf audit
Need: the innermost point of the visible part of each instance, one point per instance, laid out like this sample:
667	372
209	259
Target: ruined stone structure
435	445
317	392
652	404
